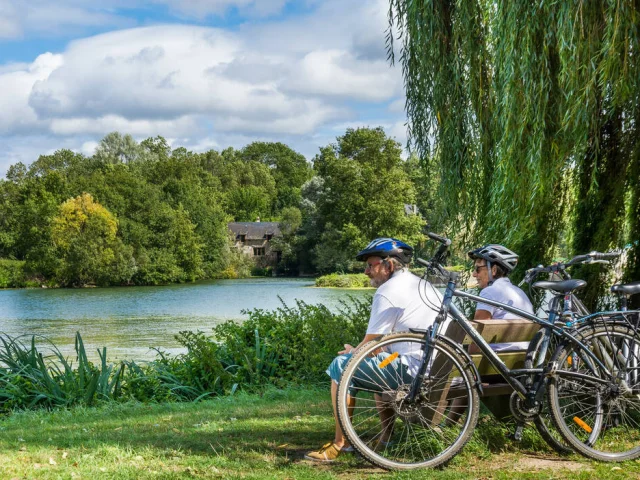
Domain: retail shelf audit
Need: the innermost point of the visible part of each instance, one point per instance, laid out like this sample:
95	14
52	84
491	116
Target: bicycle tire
599	420
425	434
543	421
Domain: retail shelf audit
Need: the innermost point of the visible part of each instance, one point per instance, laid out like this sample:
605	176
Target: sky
204	74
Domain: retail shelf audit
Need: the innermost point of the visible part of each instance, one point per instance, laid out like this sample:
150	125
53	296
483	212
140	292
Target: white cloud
397	106
338	73
292	80
47	18
110	123
9	20
63	17
88	148
16	83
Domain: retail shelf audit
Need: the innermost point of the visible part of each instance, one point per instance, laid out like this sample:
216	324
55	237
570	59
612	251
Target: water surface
131	320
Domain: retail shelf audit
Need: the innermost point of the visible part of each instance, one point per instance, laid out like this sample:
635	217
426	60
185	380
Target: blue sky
202	73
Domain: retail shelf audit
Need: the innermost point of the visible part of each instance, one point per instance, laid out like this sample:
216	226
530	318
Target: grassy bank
244	436
344	280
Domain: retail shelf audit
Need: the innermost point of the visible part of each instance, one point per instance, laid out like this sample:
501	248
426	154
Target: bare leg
339	439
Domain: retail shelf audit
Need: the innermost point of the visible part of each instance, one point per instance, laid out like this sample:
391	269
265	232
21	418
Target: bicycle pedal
517	435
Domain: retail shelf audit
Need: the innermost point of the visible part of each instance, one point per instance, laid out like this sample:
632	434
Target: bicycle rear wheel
600	419
387	429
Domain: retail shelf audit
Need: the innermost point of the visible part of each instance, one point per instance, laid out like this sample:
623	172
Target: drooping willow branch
528	113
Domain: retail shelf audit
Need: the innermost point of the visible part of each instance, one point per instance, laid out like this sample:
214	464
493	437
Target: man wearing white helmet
492	265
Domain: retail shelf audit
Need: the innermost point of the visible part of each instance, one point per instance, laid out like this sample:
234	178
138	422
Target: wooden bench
496	391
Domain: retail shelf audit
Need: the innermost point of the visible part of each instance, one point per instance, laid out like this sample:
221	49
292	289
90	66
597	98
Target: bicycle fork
429	344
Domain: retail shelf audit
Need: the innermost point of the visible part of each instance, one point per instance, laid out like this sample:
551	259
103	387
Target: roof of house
255	230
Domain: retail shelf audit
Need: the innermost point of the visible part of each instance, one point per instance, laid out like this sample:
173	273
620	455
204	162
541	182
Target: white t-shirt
398	306
504	291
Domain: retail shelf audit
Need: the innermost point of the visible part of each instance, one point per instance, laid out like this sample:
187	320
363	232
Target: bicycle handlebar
438	238
591	257
438	257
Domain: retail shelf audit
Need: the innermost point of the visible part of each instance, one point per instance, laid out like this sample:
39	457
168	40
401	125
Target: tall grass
28	378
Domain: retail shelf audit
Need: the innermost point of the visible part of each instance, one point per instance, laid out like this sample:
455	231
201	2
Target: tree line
146	214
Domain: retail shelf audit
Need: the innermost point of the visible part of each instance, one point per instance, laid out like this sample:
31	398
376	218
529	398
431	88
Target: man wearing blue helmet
397	307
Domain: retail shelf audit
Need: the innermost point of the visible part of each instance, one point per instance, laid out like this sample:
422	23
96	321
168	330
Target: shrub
290	344
29	379
352	280
12	274
262	271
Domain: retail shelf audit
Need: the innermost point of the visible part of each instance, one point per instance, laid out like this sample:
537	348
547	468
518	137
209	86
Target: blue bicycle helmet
386	247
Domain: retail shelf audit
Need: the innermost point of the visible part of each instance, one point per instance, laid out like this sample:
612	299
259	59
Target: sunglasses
369	266
477	268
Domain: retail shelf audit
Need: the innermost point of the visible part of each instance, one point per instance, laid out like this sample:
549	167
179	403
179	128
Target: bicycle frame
509	375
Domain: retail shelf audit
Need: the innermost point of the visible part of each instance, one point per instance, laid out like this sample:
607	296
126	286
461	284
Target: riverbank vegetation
344	280
291	345
146	214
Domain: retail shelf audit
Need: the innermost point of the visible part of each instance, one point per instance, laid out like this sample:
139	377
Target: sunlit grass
245	436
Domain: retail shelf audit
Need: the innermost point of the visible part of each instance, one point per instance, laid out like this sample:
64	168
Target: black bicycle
423	410
565	310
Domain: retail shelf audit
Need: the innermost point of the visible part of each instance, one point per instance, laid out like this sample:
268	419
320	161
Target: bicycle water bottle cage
564	286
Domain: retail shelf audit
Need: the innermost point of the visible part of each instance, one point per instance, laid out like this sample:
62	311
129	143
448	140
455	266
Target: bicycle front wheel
596	408
389	430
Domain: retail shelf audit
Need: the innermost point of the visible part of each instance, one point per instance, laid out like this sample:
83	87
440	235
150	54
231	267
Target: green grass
245	436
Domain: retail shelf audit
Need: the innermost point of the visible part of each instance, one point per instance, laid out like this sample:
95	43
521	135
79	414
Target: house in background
254	239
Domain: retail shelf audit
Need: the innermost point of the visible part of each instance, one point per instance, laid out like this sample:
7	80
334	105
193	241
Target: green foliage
352	280
87	250
290	344
171	225
257	271
191	376
161	215
12	274
290	170
362	196
29	379
528	113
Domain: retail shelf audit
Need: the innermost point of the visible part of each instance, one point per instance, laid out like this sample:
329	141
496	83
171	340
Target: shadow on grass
272	431
277	429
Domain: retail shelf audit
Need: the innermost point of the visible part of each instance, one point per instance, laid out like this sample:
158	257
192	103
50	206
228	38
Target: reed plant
29	378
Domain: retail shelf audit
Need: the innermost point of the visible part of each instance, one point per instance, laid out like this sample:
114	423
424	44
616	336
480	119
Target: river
129	321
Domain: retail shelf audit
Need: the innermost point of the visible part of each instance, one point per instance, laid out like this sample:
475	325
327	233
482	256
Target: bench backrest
496	331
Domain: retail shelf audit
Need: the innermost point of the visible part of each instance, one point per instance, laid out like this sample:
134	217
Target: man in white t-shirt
492	264
397	307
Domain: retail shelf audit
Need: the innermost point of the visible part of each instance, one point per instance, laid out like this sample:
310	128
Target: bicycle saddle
626	288
563	287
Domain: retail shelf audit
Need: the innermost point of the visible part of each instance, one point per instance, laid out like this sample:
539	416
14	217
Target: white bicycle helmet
496	254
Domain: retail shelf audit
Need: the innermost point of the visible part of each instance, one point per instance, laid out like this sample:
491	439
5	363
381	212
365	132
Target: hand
347	349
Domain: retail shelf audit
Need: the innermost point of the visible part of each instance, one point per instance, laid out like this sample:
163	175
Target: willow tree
529	114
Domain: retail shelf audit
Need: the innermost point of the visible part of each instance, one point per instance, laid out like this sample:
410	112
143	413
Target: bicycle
574	315
427	415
